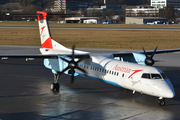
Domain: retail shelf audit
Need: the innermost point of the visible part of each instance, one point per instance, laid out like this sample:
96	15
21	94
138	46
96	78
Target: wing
144	58
148	52
39	56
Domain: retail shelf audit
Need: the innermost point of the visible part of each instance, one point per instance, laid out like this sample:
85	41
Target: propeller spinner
149	60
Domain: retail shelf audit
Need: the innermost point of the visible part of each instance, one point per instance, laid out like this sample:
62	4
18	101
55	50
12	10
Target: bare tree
121	16
29	9
169	12
84	13
108	14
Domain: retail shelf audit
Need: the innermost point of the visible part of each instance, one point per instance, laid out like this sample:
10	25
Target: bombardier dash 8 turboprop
132	71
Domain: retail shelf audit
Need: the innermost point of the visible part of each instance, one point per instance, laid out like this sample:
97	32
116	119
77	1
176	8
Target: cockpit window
146	75
164	76
153	76
156	76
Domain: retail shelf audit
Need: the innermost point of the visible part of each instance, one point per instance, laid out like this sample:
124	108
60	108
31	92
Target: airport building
164	3
80	19
73	5
144	20
143	11
115	9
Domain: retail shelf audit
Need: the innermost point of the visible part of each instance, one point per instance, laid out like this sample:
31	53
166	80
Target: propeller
149	60
72	65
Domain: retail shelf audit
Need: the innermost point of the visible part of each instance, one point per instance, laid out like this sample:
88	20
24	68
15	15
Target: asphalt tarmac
25	93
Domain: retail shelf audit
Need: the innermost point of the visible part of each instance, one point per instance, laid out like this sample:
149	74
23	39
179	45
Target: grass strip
111	39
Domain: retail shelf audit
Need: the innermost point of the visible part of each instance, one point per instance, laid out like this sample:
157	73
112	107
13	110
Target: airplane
130	70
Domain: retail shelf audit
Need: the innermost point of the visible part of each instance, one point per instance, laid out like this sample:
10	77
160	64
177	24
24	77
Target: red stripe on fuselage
135	71
47	43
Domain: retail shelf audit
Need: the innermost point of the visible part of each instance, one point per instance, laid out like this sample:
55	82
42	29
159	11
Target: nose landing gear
161	101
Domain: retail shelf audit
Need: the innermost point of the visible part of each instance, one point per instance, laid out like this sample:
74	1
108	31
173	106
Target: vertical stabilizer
46	40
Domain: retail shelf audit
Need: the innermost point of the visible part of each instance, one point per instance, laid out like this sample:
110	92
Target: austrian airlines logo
126	70
122	69
42	29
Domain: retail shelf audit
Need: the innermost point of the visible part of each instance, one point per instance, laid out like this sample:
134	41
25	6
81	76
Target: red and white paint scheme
129	70
46	41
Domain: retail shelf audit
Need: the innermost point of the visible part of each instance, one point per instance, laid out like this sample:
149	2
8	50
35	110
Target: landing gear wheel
55	86
161	102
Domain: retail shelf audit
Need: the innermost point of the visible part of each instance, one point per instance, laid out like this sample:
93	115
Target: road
98	28
25	93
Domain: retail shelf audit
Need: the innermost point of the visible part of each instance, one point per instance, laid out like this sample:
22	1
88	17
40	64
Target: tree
4	1
108	14
169	12
30	9
84	13
121	16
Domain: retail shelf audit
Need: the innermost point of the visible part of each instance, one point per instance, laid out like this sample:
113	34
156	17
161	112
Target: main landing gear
161	101
55	86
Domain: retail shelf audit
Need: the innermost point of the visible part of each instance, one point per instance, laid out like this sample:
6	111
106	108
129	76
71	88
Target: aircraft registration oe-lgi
129	70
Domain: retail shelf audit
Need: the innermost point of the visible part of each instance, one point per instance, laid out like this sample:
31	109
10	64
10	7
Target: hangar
144	20
79	19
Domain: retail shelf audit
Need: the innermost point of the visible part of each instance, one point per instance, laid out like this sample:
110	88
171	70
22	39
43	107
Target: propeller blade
65	60
72	78
82	70
145	53
149	60
73	47
82	58
73	65
154	52
159	60
64	70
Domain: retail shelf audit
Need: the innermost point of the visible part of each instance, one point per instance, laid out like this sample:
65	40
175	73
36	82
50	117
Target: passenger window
156	76
146	75
112	72
109	72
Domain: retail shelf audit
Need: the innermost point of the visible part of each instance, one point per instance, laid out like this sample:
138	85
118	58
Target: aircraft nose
166	89
170	93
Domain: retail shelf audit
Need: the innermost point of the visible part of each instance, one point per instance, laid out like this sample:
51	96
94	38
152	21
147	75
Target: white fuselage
127	75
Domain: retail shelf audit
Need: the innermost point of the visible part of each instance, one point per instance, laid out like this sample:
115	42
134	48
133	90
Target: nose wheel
161	102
